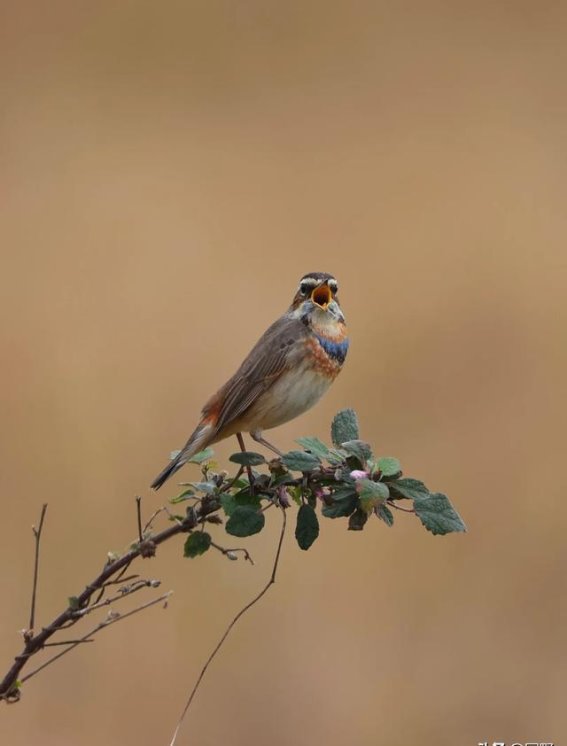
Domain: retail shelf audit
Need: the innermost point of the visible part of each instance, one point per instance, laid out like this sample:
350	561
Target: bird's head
316	297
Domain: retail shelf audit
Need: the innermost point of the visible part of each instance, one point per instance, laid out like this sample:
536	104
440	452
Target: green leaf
344	493
357	520
410	489
300	461
73	602
385	514
367	488
389	466
371	494
247	458
344	503
314	446
201	456
185	495
228	504
245	521
336	456
247	496
280	479
197	543
344	427
307	528
240	484
209	487
437	514
359	449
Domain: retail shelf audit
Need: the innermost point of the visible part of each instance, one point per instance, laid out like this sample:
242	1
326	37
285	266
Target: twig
37	534
120	579
171	516
122	593
139	517
228	552
33	644
111	619
242	611
66	642
152	518
233	481
392	504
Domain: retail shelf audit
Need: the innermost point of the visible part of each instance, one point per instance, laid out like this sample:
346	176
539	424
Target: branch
112	618
37	534
344	480
78	604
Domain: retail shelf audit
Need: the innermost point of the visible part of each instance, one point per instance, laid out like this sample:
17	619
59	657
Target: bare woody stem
91	596
35	642
116	569
101	625
37	534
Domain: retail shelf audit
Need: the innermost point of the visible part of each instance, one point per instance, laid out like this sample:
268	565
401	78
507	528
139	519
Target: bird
287	371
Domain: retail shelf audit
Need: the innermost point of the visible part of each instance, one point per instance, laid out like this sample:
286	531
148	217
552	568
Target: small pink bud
359	474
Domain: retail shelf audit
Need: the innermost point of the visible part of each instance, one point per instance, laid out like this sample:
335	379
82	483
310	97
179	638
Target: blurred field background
168	172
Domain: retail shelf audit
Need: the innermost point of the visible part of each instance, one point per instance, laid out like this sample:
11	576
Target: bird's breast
292	394
324	358
313	364
328	346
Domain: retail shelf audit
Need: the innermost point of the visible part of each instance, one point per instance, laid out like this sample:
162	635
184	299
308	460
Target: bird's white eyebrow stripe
309	281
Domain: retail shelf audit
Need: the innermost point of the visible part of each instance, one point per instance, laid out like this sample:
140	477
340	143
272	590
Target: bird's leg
257	436
248	467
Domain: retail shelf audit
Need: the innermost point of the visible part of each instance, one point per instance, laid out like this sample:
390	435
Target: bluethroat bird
288	370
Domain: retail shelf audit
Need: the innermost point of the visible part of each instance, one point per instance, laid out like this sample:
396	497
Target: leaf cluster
341	480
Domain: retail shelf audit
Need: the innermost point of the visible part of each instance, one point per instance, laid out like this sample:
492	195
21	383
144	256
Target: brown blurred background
168	172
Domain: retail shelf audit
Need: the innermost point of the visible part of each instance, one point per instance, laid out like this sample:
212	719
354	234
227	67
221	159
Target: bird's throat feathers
337	350
328	330
332	337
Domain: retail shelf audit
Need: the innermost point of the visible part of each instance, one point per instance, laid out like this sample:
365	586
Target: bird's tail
199	440
170	469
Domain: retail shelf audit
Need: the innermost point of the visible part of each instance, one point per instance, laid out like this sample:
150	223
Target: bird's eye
305	288
334	287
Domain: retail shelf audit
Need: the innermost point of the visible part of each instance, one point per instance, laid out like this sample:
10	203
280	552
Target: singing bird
288	370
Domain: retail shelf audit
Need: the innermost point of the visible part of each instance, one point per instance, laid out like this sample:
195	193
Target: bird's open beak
322	296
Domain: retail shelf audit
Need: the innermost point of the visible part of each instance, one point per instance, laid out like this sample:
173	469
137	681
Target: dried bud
147	548
214	519
283	496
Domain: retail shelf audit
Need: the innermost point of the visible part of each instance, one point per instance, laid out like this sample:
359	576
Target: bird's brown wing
268	359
